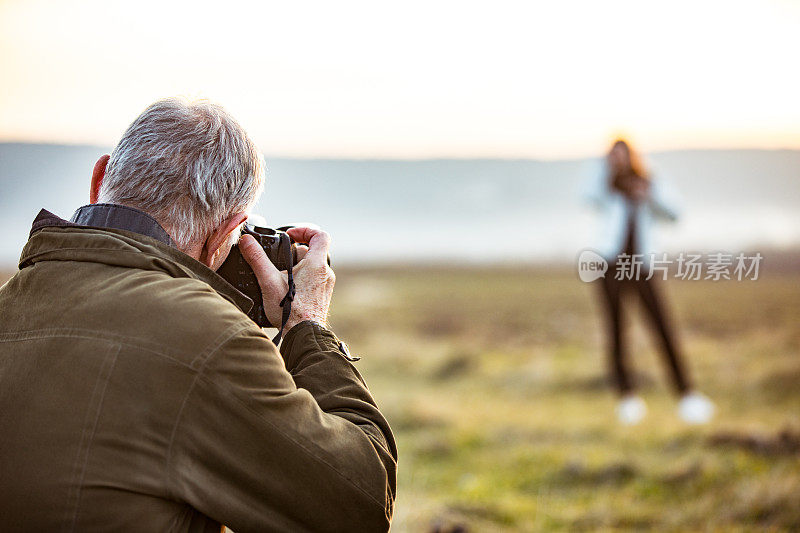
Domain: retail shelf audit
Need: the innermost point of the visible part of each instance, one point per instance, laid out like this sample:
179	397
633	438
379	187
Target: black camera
280	249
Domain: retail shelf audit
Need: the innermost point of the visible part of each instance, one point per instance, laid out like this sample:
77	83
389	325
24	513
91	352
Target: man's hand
313	278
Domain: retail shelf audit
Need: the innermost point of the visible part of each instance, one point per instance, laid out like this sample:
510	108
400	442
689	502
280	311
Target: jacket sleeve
264	444
593	189
664	200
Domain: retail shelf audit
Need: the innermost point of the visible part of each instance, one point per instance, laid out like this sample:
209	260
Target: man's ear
98	174
215	244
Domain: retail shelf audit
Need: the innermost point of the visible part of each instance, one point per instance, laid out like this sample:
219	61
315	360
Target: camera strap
286	303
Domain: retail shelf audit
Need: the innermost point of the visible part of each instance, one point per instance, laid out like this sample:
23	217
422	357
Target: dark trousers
616	294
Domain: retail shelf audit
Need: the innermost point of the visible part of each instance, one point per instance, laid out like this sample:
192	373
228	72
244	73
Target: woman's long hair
620	177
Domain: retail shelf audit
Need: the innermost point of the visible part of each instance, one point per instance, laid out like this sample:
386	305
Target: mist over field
482	210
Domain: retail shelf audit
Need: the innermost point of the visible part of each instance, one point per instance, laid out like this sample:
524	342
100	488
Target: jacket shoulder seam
229	332
198	364
81	333
202	377
131	342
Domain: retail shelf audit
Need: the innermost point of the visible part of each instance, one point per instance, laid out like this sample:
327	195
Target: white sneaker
694	408
631	410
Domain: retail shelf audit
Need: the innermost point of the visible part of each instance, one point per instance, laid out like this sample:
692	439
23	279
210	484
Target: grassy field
494	383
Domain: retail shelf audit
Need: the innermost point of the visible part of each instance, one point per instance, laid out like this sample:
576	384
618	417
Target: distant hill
440	210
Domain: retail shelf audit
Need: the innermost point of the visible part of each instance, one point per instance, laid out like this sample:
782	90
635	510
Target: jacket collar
121	236
121	217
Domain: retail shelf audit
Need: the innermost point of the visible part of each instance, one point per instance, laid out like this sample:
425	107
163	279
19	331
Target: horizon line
323	157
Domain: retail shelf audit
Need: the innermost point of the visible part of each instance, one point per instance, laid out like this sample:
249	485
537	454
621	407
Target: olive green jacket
136	395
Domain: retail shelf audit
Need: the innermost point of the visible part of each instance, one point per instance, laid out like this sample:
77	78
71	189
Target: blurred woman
630	200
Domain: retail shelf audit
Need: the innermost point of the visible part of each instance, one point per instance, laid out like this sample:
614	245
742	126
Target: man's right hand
313	278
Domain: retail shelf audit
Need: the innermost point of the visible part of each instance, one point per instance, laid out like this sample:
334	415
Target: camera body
280	249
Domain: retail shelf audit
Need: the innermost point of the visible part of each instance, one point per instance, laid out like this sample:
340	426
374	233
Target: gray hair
190	165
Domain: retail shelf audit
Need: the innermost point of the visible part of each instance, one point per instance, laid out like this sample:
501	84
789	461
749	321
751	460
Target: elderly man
136	394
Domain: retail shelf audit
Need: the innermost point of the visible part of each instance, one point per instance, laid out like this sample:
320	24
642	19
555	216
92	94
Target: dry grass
493	380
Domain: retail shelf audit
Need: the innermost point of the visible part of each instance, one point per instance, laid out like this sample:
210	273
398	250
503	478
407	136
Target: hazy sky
412	79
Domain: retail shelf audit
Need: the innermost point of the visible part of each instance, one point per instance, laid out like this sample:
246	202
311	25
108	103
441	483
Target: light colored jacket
613	209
